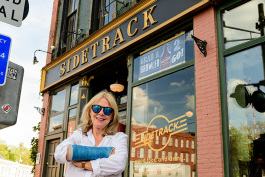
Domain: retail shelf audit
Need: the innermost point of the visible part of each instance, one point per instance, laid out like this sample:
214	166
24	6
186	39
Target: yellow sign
174	126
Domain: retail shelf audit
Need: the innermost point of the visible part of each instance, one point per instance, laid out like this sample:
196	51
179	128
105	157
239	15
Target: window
176	156
133	152
243	78
192	158
170	155
164	140
170	142
181	143
181	157
72	108
141	152
110	9
157	139
187	157
176	142
163	154
149	153
134	136
192	144
68	26
162	96
156	154
57	111
187	143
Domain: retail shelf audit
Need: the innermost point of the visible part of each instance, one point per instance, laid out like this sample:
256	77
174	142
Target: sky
32	35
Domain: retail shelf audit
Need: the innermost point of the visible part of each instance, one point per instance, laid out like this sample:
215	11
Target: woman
98	127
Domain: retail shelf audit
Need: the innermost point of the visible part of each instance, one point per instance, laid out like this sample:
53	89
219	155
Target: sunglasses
107	110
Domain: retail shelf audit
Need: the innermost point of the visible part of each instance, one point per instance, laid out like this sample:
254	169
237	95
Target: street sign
5	43
12	11
10	95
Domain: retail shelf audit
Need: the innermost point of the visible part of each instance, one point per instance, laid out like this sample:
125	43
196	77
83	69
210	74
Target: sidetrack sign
12	11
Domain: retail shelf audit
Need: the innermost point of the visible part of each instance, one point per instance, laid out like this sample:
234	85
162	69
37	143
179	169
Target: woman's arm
116	163
61	150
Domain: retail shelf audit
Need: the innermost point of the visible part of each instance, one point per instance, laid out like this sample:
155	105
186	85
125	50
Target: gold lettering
129	28
149	17
118	36
161	132
76	61
94	48
176	125
170	130
84	56
105	41
62	69
166	129
68	65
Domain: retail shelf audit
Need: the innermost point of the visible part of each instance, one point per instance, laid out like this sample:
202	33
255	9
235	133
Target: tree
34	147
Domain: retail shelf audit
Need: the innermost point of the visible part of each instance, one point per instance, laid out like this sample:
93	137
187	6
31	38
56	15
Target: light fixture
35	61
116	87
244	98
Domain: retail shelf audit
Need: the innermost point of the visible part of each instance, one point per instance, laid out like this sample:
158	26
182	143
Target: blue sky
32	35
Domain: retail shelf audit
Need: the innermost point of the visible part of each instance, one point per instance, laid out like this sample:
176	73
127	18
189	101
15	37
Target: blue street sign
5	43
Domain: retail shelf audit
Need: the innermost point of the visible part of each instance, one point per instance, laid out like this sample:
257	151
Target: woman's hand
78	164
112	151
67	154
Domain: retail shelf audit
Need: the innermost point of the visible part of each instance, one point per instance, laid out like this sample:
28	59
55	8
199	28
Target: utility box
10	95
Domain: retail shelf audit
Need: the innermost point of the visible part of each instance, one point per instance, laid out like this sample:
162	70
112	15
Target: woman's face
99	120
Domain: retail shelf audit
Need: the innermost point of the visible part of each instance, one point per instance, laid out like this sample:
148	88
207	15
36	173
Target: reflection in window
133	152
157	139
163	154
74	94
246	124
176	156
187	157
58	102
142	153
56	122
149	153
240	23
192	157
156	154
71	121
164	139
176	142
156	106
181	157
169	154
134	136
181	143
170	142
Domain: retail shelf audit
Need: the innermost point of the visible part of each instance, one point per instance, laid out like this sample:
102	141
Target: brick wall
46	96
208	104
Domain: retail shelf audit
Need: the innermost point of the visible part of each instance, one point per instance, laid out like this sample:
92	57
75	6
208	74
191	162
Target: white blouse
112	166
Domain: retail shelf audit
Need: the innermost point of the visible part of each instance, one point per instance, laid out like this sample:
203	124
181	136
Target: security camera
52	48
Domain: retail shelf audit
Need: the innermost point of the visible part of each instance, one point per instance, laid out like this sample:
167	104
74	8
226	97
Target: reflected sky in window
240	23
171	96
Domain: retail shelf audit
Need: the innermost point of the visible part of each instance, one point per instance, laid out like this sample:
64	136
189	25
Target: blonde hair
86	122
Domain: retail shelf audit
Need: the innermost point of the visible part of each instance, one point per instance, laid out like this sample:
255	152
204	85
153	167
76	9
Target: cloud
190	102
179	84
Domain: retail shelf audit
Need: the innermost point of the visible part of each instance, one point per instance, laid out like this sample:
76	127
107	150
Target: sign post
5	43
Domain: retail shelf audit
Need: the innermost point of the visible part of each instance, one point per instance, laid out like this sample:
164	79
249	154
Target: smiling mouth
100	119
